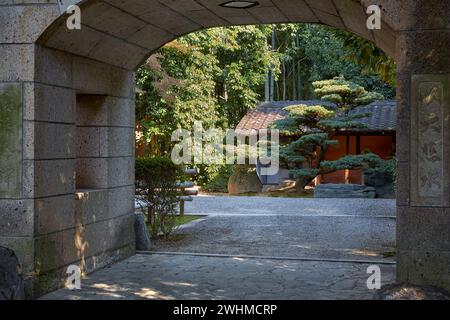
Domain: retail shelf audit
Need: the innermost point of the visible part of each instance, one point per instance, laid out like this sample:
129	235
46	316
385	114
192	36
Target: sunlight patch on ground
148	293
180	284
300	246
366	253
238	259
107	287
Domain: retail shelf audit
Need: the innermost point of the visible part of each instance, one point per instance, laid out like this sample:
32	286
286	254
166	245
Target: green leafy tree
312	129
372	59
175	89
241	56
214	76
311	52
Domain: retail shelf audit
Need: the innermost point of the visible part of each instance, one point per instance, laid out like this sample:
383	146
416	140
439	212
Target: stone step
344	191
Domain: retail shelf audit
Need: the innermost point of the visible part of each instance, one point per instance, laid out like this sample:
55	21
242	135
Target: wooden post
149	215
347	171
181	207
185	195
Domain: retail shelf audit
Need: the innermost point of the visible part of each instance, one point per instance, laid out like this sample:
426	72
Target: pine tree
312	128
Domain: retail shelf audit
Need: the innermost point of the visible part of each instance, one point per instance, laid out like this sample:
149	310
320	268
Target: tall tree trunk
277	90
299	75
272	86
294	88
272	78
299	82
225	92
267	86
284	81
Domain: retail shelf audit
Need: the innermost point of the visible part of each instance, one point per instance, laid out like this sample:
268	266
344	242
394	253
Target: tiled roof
383	114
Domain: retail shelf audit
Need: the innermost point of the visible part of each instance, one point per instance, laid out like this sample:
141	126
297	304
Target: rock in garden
141	231
11	282
244	180
383	184
344	191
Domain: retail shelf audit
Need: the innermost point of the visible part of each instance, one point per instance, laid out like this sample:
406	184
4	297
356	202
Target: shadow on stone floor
170	277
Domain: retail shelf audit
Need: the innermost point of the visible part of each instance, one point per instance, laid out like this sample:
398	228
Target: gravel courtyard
259	248
361	229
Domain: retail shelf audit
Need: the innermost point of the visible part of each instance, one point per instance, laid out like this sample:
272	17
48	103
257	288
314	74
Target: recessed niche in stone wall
10	141
91	121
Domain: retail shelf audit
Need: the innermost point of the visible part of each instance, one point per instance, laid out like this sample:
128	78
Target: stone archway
66	184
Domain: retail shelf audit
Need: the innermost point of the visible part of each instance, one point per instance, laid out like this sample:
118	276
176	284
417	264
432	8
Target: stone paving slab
168	277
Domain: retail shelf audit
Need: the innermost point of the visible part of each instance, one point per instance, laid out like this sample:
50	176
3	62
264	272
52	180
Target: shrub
219	181
156	179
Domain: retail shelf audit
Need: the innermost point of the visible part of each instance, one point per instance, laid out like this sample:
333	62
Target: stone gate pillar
423	136
20	26
66	151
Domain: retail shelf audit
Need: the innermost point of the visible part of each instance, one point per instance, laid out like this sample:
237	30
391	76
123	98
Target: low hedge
157	168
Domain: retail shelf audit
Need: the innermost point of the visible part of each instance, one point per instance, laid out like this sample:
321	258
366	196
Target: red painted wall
382	145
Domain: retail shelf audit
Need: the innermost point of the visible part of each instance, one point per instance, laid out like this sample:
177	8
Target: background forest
217	75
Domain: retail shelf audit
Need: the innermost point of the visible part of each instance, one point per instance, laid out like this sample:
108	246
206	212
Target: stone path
187	277
301	248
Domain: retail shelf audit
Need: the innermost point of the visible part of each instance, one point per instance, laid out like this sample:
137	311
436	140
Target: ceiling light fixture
240	4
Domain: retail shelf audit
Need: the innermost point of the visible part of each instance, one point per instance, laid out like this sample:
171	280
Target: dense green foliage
218	180
213	76
176	88
313	128
156	179
217	75
368	162
310	53
159	167
370	57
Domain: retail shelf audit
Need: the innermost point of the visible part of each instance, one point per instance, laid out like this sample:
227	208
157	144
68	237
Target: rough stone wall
17	69
48	221
84	152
